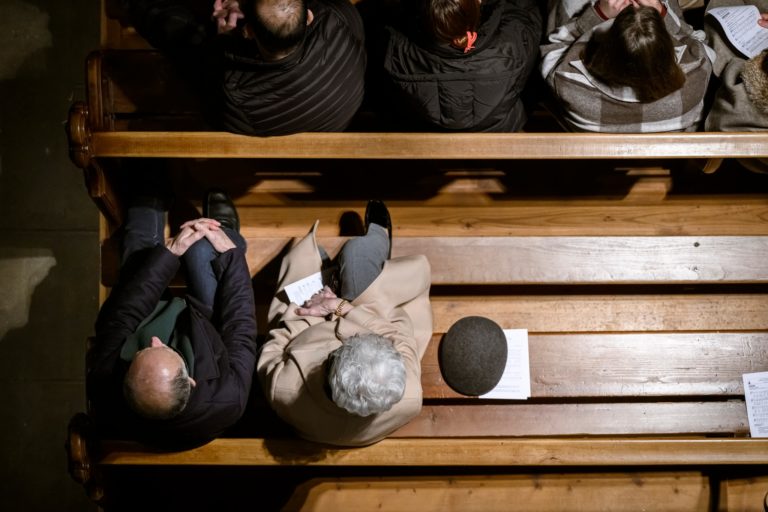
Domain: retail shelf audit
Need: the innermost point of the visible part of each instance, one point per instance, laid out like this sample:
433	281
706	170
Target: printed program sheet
515	382
756	396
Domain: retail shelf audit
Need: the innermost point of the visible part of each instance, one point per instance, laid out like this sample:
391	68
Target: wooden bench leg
80	465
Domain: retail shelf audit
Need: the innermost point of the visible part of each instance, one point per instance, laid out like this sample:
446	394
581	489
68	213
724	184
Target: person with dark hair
172	371
344	366
264	67
462	64
741	101
625	66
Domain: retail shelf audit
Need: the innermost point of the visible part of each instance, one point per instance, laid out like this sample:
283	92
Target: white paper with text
756	396
740	26
300	291
515	382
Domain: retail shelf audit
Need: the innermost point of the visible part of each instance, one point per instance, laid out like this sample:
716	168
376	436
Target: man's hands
225	14
763	20
323	303
194	230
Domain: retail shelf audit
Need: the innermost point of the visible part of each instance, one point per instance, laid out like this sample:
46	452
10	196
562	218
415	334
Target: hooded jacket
475	91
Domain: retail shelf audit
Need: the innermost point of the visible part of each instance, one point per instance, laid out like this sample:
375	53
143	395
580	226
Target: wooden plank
524	218
568	260
595	451
629	365
621	312
432	146
552	260
747	493
576	492
572	419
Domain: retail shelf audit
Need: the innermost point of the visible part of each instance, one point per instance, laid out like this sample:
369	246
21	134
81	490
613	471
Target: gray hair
366	375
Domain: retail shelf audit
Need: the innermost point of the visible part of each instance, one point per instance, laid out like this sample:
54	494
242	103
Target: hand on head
656	4
226	13
611	8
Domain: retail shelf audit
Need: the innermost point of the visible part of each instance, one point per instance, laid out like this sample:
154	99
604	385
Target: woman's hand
323	303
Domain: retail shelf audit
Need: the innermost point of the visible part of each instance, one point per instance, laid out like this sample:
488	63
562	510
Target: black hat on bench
472	355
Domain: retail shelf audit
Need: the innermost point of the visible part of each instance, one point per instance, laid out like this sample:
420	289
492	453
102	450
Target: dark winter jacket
317	88
474	91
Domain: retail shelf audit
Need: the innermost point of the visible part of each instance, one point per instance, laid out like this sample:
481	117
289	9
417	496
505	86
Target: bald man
169	370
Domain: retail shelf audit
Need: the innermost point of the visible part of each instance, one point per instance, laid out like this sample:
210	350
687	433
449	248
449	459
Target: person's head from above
637	52
278	26
157	385
754	75
452	21
366	375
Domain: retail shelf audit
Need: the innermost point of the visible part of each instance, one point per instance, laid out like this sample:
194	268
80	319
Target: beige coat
290	367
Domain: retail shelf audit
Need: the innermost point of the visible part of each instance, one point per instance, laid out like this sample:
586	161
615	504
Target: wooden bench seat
643	285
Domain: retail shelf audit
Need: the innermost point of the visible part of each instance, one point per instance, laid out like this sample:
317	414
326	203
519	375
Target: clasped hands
226	13
197	229
322	303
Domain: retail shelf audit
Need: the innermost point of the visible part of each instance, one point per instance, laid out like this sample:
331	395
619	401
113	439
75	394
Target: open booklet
740	26
515	382
756	396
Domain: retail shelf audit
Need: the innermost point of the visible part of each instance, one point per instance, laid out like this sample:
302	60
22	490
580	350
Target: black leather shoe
219	206
376	213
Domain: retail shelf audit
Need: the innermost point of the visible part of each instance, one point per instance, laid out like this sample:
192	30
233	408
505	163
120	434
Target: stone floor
48	249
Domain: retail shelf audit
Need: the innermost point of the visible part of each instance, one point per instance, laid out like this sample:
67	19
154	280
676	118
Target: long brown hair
638	52
450	20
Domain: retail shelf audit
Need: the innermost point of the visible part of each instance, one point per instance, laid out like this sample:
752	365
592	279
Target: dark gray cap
472	355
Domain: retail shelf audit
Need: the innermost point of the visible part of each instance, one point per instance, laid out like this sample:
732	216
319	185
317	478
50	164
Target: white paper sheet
515	382
756	396
300	291
740	26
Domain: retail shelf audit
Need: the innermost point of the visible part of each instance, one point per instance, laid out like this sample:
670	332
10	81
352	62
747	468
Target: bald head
157	385
279	25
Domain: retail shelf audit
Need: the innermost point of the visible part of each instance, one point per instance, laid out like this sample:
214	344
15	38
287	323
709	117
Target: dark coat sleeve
237	320
131	301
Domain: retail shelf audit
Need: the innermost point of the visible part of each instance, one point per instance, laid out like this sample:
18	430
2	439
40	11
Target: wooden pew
642	284
637	346
126	117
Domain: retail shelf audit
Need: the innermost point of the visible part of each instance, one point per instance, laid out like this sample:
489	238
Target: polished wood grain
522	217
567	260
572	419
432	146
546	452
575	492
629	366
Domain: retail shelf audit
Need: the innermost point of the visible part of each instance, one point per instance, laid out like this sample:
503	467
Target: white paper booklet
300	291
740	26
515	382
756	396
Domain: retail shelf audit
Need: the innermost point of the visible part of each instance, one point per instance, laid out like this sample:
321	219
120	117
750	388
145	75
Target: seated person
741	101
626	66
277	66
462	64
347	371
170	371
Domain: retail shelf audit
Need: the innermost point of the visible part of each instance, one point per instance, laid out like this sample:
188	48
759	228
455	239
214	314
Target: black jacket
318	88
225	354
477	91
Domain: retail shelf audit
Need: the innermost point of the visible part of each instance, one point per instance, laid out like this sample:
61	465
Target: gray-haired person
344	368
